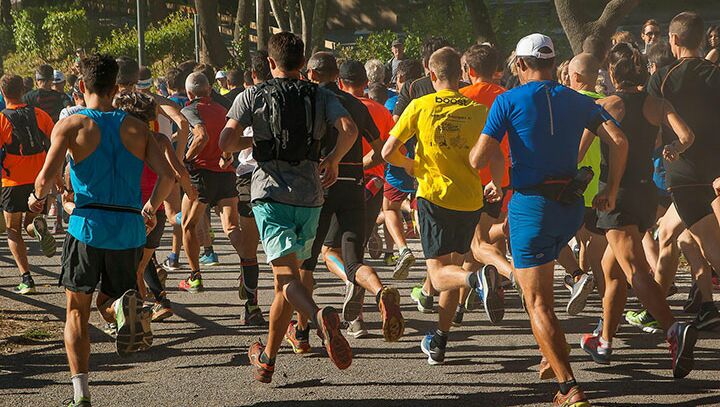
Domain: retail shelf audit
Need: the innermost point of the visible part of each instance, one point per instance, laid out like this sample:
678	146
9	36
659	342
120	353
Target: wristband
148	213
38	199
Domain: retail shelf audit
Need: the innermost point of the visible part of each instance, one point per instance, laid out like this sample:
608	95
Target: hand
671	152
190	190
328	172
604	201
716	186
150	217
60	184
493	193
225	162
36	205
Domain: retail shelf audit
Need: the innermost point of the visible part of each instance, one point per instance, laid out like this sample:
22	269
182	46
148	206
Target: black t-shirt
351	164
692	86
50	101
221	100
414	90
233	93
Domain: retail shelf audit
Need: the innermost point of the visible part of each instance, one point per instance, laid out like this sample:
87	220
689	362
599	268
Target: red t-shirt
212	115
384	122
485	94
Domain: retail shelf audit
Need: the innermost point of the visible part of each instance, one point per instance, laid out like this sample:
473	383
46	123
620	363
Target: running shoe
390	259
694	301
209	260
252	316
133	324
579	294
598	329
569	282
162	276
574	398
192	285
707	319
356	329
715	281
353	303
43	235
110	328
458	318
26	286
404	262
591	345
171	264
161	310
433	350
643	320
425	303
489	293
83	402
375	244
682	343
242	293
393	324
337	347
298	339
263	372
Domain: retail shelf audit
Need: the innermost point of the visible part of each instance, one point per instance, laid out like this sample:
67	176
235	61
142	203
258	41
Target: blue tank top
109	177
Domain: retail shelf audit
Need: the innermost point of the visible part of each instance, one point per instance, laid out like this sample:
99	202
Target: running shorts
693	202
635	205
213	186
242	185
393	194
540	227
590	221
445	231
15	199
83	267
286	229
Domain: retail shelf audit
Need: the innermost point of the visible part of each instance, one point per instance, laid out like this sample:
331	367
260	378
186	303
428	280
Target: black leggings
153	281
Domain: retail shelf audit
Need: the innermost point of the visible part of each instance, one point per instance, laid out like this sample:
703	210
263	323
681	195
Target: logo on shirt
462	101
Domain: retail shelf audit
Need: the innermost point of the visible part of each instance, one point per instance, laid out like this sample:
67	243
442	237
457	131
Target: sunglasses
652	33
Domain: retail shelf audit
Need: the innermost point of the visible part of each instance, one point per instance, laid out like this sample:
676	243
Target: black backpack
290	114
26	136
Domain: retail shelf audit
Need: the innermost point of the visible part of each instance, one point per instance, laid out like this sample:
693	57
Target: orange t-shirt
384	122
485	94
22	170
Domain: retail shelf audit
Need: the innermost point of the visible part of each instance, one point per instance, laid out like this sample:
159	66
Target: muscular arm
60	142
374	157
200	140
685	135
155	159
585	142
231	137
391	153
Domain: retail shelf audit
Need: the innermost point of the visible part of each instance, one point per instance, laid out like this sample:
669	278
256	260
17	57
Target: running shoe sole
167	267
375	244
353	303
42	234
260	373
210	264
578	300
393	324
162	315
26	291
357	334
644	328
403	266
704	325
133	334
336	345
686	360
494	307
427	352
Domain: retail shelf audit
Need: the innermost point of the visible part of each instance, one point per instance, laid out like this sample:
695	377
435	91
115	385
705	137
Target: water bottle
372	187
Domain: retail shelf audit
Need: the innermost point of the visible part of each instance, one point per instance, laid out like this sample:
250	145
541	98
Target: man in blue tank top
106	233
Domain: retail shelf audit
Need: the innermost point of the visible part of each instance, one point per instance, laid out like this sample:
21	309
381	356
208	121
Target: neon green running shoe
192	284
83	402
643	320
424	302
26	287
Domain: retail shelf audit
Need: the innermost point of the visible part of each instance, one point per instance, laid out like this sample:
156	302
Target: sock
81	387
577	273
172	257
208	250
705	306
605	346
153	281
402	249
266	360
195	274
565	387
461	308
424	293
377	297
250	272
473	280
26	277
440	338
303	333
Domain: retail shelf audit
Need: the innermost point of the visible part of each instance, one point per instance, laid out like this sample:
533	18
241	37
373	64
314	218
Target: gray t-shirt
280	181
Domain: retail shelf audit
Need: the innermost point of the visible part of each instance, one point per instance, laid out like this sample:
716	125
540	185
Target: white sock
81	387
605	344
672	329
424	293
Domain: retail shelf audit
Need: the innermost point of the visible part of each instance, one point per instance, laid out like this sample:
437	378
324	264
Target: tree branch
480	17
281	16
615	11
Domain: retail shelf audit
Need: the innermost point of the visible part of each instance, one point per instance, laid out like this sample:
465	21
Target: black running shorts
693	202
635	205
213	186
590	221
15	199
242	185
84	267
445	231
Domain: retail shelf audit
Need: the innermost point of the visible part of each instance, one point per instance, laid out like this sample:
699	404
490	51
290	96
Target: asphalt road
199	356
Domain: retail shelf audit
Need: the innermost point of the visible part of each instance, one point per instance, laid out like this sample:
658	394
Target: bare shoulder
75	122
134	126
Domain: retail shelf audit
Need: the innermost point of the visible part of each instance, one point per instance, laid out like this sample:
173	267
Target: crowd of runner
495	165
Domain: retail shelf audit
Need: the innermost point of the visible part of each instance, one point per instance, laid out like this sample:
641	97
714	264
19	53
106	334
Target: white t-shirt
246	162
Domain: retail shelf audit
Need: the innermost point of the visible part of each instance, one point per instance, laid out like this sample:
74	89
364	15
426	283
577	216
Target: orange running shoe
393	324
263	371
337	346
299	340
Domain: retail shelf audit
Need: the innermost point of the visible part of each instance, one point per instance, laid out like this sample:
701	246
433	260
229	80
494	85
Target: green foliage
26	26
7	41
238	52
454	25
67	31
377	46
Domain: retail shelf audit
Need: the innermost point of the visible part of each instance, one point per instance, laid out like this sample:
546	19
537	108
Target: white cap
220	75
58	77
530	46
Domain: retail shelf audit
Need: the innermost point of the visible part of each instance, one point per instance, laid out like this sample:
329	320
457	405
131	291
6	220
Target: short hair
660	54
539	64
234	77
197	84
623	36
144	73
28	83
431	45
410	70
323	64
375	70
596	46
248	78
175	78
483	59
100	73
378	93
287	50
205	69
689	28
445	63
626	66
137	104
44	73
12	86
128	71
71	79
260	65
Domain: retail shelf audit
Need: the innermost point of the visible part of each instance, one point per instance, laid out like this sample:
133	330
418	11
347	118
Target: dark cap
323	62
353	71
397	42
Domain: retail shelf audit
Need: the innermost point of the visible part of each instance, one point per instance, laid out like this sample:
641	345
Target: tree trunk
307	8
241	32
578	25
281	16
294	16
262	17
214	51
319	23
5	16
156	11
480	19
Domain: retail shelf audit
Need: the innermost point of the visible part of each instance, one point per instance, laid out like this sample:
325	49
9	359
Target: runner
235	82
209	73
107	229
24	135
650	34
78	102
640	115
50	101
544	122
450	192
58	85
287	188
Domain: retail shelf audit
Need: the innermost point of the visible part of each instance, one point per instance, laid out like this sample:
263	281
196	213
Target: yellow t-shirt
592	159
447	125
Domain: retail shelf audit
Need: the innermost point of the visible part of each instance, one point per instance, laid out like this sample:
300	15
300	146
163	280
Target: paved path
199	356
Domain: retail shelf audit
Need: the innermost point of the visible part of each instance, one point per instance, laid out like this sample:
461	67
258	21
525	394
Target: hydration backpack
26	136
290	114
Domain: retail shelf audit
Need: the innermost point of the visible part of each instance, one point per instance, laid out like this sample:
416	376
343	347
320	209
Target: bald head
197	85
323	67
583	71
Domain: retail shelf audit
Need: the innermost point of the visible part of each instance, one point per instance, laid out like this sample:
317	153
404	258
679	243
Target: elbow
475	161
223	142
386	153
